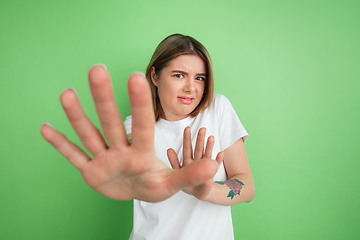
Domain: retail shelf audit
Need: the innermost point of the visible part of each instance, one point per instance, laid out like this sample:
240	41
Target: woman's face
181	86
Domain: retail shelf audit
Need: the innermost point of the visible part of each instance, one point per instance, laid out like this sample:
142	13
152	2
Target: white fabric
182	216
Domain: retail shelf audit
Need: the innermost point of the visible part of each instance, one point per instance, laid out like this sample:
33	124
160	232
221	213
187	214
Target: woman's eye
178	75
200	78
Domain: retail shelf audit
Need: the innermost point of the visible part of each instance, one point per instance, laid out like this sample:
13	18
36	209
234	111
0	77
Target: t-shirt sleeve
230	127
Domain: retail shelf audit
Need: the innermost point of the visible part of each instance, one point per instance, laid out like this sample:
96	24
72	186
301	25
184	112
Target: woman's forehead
187	63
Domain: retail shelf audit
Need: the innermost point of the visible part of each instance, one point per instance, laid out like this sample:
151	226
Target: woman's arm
240	185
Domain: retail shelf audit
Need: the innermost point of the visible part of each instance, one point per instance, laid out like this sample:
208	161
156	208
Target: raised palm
200	191
119	170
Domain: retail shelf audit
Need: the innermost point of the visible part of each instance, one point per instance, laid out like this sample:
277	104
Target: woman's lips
186	100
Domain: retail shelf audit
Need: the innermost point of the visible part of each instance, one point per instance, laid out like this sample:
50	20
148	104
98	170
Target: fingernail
140	73
100	64
72	89
47	124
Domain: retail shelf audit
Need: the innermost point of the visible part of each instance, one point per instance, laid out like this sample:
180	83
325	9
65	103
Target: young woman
180	76
176	116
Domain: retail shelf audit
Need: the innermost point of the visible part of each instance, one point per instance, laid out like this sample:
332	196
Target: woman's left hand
201	191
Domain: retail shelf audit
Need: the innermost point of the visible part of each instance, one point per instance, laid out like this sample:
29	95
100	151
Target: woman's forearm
237	189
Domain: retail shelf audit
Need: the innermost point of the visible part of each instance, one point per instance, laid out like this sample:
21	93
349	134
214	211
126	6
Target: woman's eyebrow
179	71
185	73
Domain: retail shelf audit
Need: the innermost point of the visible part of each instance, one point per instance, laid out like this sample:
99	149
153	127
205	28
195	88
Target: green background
290	68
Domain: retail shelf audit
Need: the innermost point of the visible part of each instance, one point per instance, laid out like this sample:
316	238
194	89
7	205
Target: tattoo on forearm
234	185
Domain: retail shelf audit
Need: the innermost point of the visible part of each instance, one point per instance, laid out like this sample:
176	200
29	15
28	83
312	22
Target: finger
173	159
199	147
220	158
143	120
73	153
109	116
87	132
187	147
193	174
209	147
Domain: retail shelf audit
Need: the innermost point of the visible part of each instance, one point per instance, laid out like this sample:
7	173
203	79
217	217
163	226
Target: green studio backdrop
290	68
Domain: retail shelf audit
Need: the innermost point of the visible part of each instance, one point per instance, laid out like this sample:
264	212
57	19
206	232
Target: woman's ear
153	76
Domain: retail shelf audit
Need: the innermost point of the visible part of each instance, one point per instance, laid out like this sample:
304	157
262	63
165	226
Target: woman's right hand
119	170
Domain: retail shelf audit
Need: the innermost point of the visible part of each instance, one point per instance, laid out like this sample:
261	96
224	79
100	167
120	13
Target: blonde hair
171	47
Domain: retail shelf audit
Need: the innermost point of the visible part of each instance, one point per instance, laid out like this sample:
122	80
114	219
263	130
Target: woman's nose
189	86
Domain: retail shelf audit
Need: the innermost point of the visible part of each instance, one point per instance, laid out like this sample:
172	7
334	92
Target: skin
201	191
184	77
121	171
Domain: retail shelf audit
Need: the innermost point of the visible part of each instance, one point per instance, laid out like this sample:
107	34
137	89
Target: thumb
220	158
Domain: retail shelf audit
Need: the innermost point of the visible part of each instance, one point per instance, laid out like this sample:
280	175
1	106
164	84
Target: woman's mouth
186	100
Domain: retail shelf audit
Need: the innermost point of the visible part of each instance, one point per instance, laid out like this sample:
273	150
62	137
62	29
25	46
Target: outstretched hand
200	191
121	171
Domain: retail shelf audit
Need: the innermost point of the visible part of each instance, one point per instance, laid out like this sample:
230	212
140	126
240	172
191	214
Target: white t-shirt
183	216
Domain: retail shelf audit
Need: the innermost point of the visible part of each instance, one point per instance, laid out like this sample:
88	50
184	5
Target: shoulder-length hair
171	47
